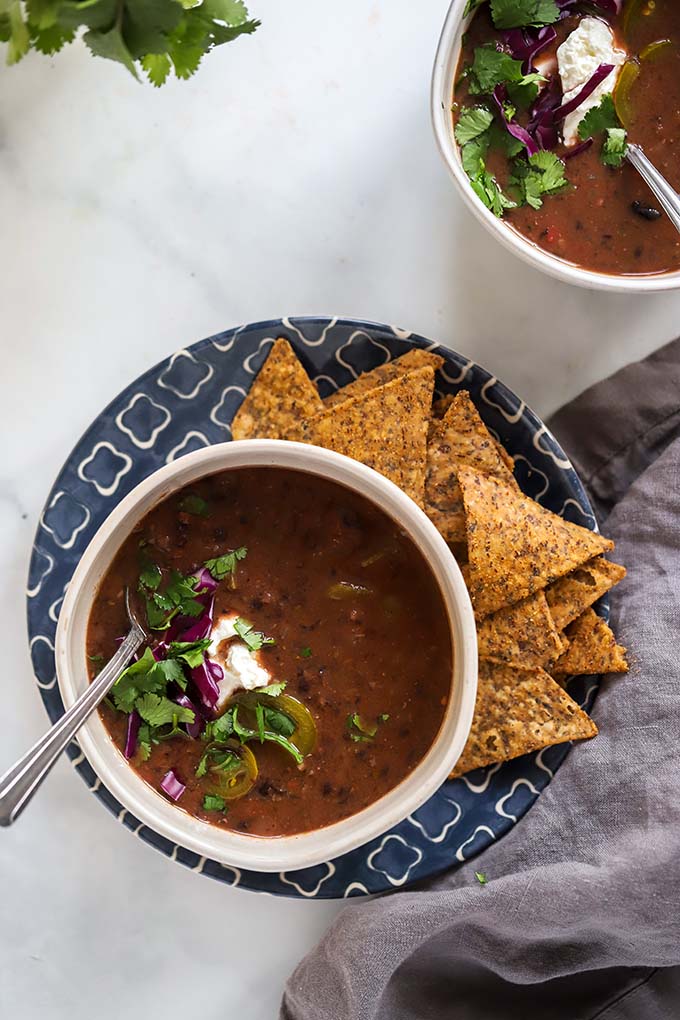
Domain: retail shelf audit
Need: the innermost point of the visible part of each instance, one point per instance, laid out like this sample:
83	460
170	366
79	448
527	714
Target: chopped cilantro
150	576
255	639
194	504
306	652
278	721
178	597
518	13
522	93
361	731
603	118
158	711
489	68
488	190
524	13
542	174
220	729
614	148
472	122
225	565
212	802
600	118
190	652
139	678
273	690
481	877
97	661
144	742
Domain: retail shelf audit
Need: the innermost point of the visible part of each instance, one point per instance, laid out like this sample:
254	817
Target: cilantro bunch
150	37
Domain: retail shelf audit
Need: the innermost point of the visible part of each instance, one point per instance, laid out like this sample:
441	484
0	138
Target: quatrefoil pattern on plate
188	402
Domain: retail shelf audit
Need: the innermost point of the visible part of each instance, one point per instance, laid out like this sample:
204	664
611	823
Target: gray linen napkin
581	914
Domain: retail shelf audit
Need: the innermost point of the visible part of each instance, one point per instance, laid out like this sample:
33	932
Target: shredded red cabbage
172	785
541	124
194	728
206	582
576	150
525	43
206	679
599	75
133	724
500	94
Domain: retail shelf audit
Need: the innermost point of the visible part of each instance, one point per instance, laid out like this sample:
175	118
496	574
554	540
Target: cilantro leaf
190	652
488	190
472	156
542	174
522	93
139	678
490	68
177	598
144	742
220	729
614	148
112	46
278	722
150	577
194	504
498	138
158	711
524	13
157	67
306	653
19	35
484	184
273	690
481	877
472	122
212	802
254	639
599	118
225	566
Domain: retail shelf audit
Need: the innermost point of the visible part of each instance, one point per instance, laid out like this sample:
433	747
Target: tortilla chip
523	634
572	594
592	648
518	711
281	394
384	428
461	437
416	358
516	546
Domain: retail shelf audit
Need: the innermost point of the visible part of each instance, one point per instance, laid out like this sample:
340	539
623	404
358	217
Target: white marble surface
296	174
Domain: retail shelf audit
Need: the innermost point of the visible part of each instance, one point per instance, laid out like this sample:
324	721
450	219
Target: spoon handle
667	196
20	782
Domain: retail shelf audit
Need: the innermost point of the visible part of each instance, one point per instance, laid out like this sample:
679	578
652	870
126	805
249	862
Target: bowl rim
441	89
287	853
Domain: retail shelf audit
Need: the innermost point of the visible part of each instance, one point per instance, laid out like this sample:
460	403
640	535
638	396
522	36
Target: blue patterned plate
188	402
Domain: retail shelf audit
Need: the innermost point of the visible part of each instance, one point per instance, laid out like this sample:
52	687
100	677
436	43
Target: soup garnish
546	98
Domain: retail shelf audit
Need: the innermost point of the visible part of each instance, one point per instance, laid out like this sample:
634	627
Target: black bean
648	212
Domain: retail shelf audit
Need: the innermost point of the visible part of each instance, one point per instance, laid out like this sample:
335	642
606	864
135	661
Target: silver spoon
668	198
20	782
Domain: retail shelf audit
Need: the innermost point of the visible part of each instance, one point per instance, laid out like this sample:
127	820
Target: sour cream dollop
579	56
242	668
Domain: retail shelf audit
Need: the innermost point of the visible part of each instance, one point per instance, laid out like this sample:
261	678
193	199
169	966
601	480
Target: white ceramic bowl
441	96
240	850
